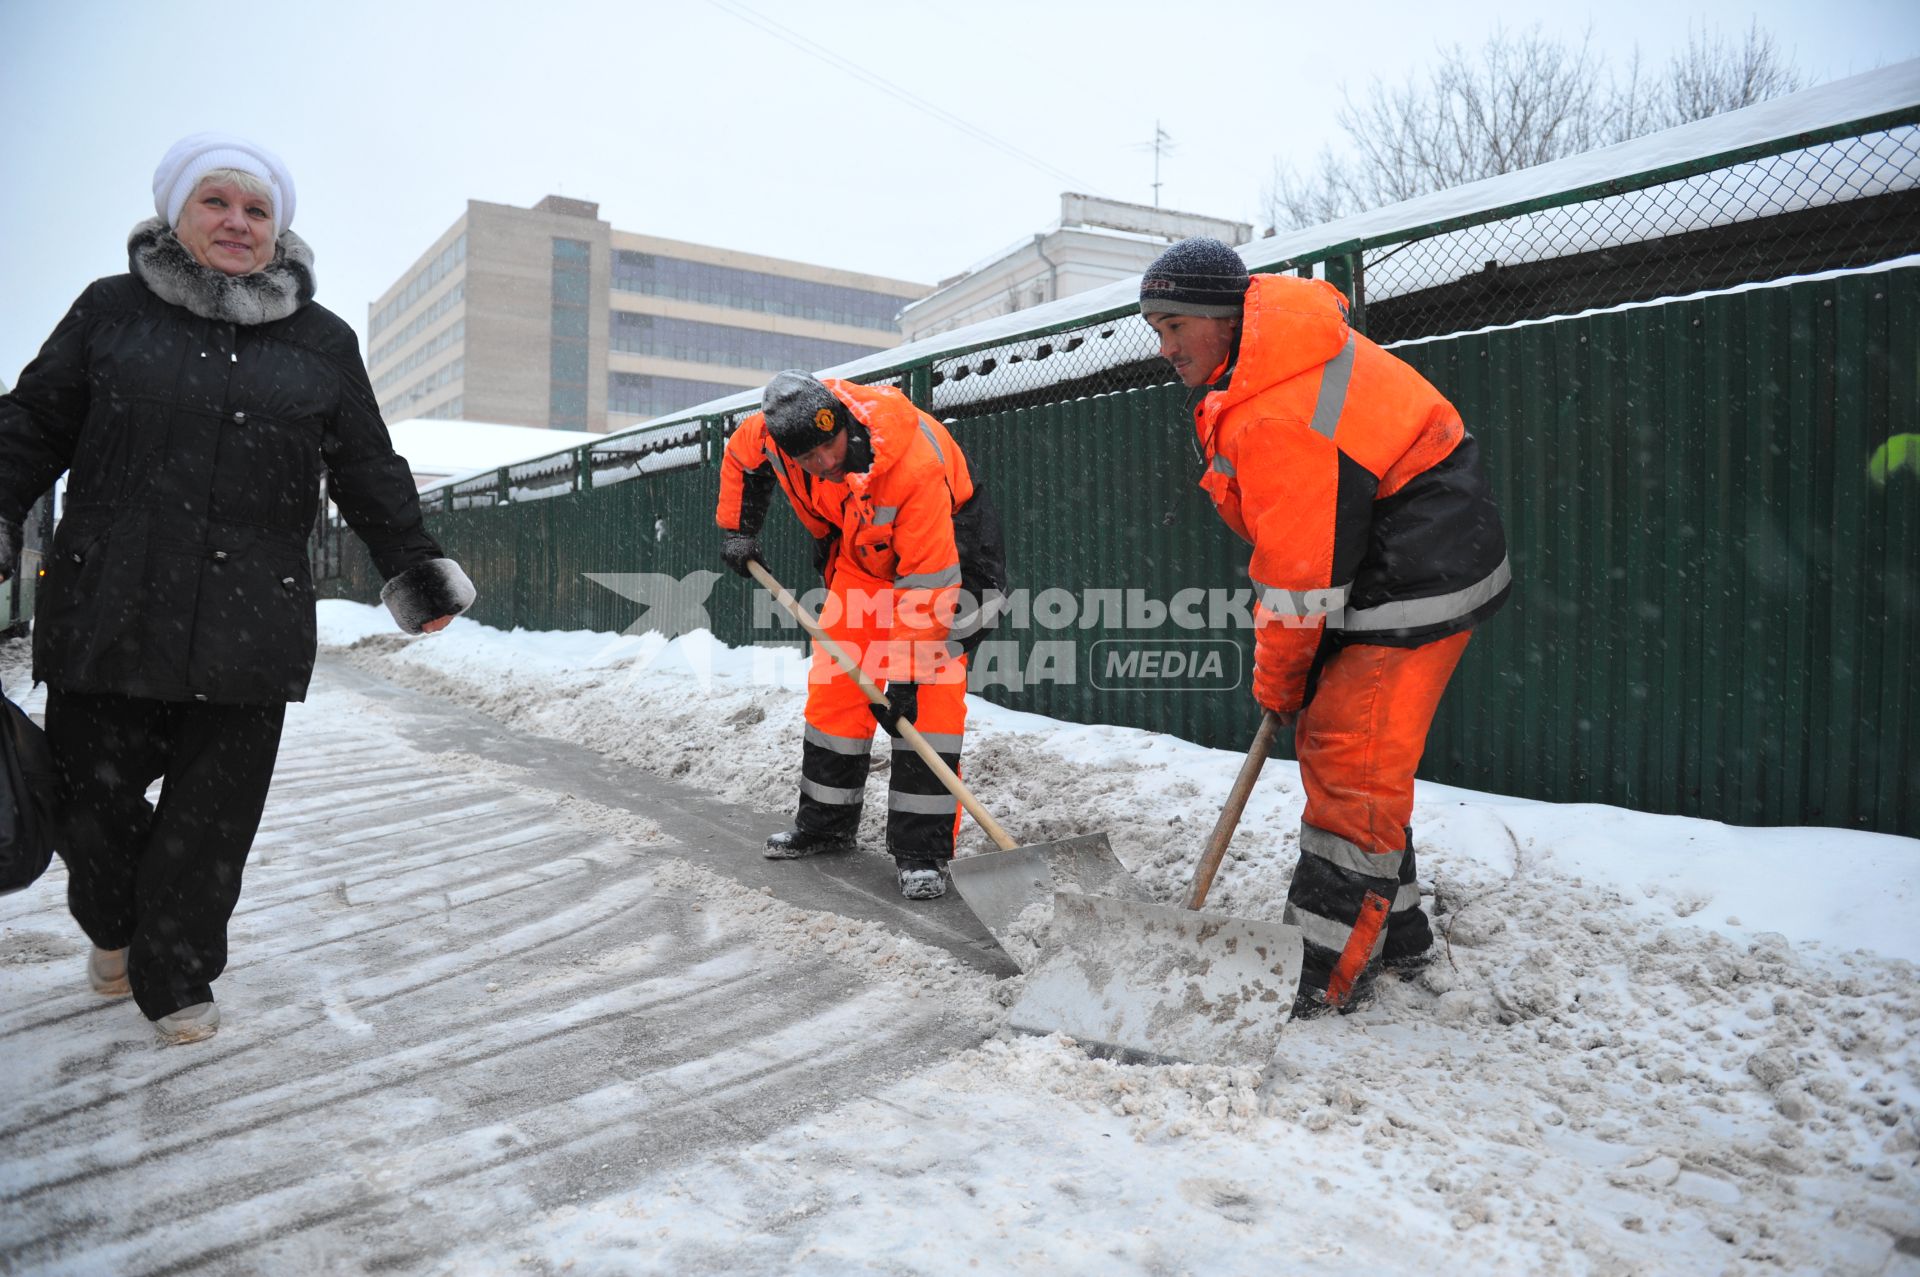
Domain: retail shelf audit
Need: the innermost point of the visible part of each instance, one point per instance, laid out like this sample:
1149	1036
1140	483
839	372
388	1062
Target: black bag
26	798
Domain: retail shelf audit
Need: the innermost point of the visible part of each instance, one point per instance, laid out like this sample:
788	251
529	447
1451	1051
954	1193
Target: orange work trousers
1360	738
922	816
1359	742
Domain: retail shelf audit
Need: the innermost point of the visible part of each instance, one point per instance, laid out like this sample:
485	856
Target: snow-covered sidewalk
454	1006
1650	1045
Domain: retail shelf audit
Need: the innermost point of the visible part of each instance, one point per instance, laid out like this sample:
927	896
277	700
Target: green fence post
583	469
920	386
1347	272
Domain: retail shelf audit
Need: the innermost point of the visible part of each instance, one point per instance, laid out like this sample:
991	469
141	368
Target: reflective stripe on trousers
1330	885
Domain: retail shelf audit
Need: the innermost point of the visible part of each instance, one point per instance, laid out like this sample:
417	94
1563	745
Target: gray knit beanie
801	413
1198	276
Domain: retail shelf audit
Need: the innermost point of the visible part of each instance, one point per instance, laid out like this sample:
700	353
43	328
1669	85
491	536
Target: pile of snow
1647	1044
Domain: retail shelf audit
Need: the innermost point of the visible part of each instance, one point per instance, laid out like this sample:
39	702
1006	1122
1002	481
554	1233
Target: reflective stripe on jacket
1355	482
893	521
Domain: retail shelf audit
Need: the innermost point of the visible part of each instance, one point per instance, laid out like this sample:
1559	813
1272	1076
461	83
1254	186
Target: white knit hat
195	156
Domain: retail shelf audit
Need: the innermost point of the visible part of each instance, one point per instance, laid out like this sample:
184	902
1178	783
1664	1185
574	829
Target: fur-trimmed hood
161	262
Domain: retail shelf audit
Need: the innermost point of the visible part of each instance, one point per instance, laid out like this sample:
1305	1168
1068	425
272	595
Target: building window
567	374
569	363
418	324
755	290
419	286
427	352
643	396
403	404
703	343
571	286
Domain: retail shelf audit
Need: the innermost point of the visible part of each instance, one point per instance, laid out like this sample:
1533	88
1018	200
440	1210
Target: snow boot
1409	945
1308	1006
188	1024
921	879
107	973
792	844
1310	1000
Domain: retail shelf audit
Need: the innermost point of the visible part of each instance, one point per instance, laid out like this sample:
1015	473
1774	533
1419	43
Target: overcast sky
692	121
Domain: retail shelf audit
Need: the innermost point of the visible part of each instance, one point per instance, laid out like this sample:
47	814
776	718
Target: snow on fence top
1750	195
1870	102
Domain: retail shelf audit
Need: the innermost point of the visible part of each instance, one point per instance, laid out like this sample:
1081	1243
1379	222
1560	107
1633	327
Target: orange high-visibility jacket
894	522
1355	481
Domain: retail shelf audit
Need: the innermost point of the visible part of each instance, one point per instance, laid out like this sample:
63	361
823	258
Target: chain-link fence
1833	204
650	450
1119	353
1840	204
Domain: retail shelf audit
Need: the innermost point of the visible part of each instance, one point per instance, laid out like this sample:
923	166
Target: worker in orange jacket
1377	547
893	509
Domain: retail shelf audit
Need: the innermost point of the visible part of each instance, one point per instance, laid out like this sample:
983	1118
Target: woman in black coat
194	404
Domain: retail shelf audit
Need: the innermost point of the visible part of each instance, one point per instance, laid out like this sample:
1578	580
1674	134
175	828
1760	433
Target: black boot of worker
1409	944
1311	999
921	879
792	844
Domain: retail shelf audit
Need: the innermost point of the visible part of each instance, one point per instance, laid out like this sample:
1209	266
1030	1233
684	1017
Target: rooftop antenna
1162	144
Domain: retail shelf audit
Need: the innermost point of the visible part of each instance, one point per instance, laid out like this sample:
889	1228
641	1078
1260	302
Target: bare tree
1523	100
1714	74
1294	199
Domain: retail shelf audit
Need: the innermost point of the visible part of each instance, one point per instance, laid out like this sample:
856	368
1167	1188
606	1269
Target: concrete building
1095	242
550	317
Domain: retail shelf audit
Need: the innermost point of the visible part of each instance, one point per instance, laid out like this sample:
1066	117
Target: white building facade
1095	242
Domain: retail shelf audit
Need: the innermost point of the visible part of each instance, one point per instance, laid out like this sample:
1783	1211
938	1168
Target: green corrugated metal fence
1718	610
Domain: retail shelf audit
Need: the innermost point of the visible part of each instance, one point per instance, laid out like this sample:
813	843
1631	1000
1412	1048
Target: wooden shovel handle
1230	815
911	734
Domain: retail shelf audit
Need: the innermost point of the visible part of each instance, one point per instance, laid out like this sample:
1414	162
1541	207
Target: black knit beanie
801	413
1195	277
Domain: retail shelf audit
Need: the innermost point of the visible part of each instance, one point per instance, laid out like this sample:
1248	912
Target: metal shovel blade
1156	983
1000	886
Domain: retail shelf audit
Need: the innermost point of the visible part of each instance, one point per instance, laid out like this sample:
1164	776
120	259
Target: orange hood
891	424
1289	326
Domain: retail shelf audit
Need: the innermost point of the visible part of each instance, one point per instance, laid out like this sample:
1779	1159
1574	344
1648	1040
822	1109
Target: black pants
160	880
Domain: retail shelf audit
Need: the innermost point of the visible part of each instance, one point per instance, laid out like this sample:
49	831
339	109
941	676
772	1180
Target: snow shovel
998	886
1154	983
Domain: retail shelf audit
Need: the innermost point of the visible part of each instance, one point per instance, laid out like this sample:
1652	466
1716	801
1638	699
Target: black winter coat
194	441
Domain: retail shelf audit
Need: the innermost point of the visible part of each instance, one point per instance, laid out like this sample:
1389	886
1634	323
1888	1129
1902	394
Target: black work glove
739	549
903	706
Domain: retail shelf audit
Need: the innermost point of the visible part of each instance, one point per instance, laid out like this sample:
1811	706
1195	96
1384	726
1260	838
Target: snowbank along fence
1693	361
